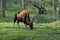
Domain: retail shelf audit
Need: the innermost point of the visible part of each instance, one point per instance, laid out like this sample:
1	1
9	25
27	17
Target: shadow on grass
21	37
3	33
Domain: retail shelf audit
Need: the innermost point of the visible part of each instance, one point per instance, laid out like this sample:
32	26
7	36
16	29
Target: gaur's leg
26	25
18	23
31	25
15	19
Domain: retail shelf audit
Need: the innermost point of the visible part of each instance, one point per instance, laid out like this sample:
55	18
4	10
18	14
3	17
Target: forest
45	15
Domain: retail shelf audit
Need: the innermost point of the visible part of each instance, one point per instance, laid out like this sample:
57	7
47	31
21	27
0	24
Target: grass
41	31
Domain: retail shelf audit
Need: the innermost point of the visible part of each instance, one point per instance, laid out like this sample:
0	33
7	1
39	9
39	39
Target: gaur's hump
24	10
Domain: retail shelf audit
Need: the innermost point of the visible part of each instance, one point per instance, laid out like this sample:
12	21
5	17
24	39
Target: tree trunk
43	3
23	4
55	11
3	7
59	9
10	1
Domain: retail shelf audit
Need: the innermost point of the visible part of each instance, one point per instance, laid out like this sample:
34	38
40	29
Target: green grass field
41	31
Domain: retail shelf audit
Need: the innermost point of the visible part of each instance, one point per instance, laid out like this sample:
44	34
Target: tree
41	9
55	11
59	6
43	3
59	9
3	7
10	1
23	4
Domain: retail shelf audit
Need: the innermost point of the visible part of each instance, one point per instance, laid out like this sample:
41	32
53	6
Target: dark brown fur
23	16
